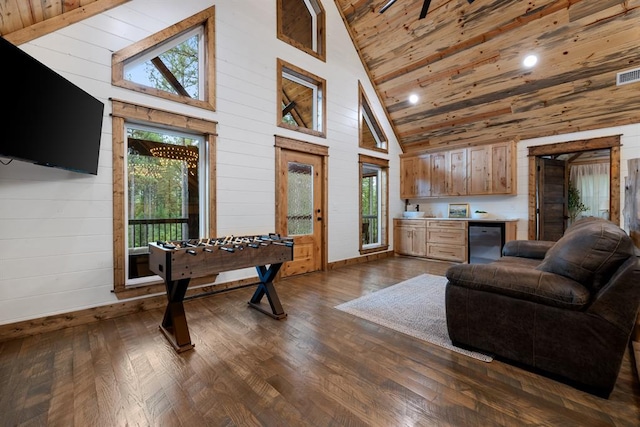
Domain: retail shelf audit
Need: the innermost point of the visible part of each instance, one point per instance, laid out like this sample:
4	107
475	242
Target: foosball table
177	262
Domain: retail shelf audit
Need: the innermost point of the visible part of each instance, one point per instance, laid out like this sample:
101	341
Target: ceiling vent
630	76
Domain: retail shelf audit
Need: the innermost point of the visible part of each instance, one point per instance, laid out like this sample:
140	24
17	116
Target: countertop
462	219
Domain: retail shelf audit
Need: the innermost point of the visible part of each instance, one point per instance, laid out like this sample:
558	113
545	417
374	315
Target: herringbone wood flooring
318	367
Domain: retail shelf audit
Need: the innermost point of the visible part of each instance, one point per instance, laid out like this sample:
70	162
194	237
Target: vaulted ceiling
464	61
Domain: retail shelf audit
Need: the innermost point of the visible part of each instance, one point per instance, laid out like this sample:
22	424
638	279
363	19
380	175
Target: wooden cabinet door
479	170
502	161
439	172
424	176
408	177
415	176
419	244
410	237
457	178
403	240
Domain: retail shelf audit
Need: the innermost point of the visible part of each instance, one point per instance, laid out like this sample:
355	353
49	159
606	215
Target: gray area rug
414	307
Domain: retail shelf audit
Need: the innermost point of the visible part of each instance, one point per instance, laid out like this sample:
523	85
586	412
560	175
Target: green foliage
574	204
182	60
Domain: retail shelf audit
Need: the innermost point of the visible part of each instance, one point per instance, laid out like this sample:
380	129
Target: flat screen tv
47	120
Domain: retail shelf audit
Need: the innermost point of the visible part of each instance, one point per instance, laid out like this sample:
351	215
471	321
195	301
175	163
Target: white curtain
592	181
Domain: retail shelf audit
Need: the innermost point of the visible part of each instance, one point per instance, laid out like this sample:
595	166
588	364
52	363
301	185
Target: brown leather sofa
565	309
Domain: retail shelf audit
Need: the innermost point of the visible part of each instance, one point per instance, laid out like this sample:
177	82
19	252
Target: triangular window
174	63
371	134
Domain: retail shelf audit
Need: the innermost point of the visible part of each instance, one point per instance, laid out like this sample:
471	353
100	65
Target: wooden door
300	213
552	198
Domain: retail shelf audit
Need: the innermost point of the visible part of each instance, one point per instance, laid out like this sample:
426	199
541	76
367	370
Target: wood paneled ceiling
463	60
24	20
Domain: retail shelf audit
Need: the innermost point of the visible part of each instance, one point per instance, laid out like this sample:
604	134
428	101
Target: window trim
319	39
320	102
126	112
206	19
365	114
383	164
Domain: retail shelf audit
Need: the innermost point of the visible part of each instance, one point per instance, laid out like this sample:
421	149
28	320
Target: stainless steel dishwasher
486	240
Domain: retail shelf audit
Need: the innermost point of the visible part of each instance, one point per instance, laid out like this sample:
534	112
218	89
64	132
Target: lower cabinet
410	237
443	239
447	240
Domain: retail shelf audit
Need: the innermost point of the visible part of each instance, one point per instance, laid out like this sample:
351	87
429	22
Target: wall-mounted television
47	120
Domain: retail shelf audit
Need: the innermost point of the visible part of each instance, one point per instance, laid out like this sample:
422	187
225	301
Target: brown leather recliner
565	309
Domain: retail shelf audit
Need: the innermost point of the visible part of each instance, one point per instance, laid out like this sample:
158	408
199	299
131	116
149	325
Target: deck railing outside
370	229
143	231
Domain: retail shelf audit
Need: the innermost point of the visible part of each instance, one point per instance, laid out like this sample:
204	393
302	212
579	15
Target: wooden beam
60	21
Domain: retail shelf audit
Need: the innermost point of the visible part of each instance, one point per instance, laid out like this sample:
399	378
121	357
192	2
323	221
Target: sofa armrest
523	283
535	249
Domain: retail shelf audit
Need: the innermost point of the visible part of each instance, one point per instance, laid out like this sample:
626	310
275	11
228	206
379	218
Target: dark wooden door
551	198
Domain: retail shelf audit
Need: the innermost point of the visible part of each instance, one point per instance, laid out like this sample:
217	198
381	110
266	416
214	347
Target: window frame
366	117
383	200
319	107
124	112
317	12
204	19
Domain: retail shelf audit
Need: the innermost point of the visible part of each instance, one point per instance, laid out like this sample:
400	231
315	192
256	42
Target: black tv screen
47	120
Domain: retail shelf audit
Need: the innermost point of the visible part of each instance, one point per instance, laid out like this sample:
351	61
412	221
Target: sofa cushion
589	252
521	282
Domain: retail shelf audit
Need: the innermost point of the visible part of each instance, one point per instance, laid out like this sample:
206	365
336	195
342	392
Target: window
166	188
301	23
374	199
176	63
371	135
163	187
174	67
301	102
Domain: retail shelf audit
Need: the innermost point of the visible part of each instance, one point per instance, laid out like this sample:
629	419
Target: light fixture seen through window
413	98
530	61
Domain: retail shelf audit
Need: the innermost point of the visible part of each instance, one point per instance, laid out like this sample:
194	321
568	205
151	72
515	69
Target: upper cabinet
483	170
415	178
448	173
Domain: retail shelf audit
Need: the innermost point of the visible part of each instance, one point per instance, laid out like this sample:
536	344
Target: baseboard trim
55	322
360	259
67	320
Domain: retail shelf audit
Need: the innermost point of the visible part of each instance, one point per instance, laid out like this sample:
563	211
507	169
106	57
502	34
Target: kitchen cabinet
449	173
410	237
447	240
415	176
482	170
457	174
492	169
441	238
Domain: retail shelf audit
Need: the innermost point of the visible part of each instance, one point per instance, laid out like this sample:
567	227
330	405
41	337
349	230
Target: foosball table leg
266	287
174	324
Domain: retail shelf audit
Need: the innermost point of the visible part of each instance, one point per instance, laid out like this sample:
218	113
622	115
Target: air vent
625	77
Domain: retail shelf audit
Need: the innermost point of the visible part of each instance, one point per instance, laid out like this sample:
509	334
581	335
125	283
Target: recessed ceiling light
530	60
413	98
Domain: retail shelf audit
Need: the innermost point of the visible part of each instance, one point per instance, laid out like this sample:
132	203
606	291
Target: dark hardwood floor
318	367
